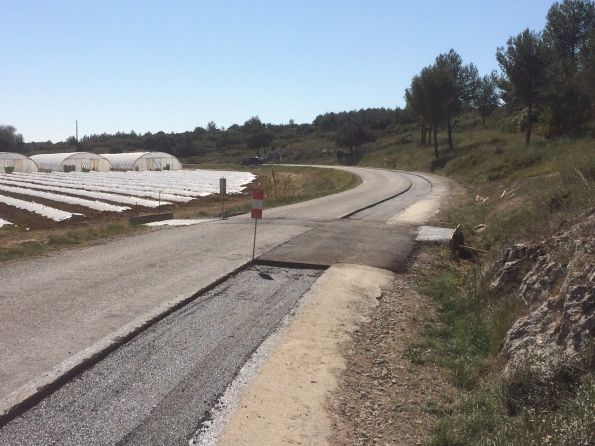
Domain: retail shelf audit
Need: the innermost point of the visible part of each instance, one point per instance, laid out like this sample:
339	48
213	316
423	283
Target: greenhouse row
88	162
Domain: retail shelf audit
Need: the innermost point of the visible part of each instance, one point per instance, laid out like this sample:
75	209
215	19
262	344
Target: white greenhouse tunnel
15	162
72	162
142	161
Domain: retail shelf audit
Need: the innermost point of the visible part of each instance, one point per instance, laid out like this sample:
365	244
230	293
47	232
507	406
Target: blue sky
174	65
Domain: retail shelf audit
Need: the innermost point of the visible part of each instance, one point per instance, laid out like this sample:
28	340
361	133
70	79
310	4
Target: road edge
31	393
286	401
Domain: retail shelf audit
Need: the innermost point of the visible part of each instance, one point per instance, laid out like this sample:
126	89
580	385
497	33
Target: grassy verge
514	194
66	238
471	328
522	409
287	185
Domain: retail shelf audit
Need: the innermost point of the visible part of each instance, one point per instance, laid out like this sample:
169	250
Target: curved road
64	307
377	185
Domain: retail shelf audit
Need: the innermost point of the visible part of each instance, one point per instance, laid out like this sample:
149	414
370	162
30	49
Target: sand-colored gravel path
286	403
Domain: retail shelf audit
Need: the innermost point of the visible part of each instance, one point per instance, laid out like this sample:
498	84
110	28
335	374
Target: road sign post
222	192
256	213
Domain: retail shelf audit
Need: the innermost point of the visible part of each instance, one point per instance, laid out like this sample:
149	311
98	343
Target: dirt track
387	395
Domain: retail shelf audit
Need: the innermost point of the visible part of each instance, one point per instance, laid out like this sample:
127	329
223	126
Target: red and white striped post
256	214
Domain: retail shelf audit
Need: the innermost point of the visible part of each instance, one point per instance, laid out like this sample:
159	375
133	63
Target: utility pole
76	123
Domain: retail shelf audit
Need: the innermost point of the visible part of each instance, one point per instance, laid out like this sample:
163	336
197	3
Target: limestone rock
560	287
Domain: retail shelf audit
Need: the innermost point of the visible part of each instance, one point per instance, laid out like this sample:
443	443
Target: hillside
516	324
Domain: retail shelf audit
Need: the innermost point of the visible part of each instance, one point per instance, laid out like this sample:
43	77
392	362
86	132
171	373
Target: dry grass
56	239
529	194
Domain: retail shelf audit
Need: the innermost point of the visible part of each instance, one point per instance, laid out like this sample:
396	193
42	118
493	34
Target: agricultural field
45	200
42	212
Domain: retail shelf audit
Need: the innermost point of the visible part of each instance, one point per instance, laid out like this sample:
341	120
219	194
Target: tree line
548	76
10	140
349	130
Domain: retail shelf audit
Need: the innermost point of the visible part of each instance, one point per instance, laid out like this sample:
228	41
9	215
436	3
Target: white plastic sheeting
136	201
10	161
141	161
39	209
72	161
91	204
75	187
120	187
182	183
179	222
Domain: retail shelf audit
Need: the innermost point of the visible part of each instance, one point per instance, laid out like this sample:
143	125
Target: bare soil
385	395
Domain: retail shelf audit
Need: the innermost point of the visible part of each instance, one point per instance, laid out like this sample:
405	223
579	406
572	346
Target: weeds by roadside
286	185
514	195
471	328
522	408
67	238
497	413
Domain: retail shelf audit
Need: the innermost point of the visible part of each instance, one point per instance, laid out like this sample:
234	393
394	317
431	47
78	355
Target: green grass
484	418
471	326
547	187
522	409
531	192
76	237
25	249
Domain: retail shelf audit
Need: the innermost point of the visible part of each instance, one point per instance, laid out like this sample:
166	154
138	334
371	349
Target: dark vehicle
252	161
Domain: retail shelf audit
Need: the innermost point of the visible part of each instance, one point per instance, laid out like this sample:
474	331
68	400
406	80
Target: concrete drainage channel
160	386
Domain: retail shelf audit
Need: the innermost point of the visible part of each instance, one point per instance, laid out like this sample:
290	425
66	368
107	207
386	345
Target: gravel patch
385	396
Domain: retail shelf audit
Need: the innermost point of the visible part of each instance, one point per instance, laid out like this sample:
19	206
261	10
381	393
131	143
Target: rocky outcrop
515	257
559	285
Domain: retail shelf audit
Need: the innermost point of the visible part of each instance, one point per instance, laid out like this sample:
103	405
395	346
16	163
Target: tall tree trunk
449	128
529	123
429	139
483	121
435	142
423	133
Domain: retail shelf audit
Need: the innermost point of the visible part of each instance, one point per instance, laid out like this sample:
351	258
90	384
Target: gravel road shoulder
287	402
385	395
343	372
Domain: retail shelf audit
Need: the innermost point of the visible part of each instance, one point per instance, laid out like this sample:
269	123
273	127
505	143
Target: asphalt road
157	388
364	238
57	305
377	185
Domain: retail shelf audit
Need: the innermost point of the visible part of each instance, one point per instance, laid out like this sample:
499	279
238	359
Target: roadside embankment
515	327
